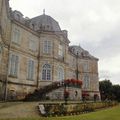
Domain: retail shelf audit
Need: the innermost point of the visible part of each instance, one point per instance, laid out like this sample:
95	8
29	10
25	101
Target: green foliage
27	111
116	92
109	91
107	114
69	109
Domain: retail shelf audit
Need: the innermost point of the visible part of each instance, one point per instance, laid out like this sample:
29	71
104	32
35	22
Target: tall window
86	82
16	36
32	45
46	72
13	65
30	74
85	67
60	73
60	51
47	46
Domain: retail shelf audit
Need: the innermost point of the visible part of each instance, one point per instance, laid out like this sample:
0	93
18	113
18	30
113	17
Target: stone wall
74	94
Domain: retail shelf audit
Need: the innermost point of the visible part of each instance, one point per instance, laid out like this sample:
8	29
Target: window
85	67
32	45
16	36
47	46
60	51
60	73
86	83
17	17
46	72
30	70
13	65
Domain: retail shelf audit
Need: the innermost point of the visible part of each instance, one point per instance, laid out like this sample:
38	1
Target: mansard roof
44	22
80	52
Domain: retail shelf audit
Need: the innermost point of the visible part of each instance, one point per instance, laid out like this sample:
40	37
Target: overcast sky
94	24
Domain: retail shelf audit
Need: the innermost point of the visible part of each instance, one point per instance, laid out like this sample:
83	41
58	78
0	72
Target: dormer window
33	26
17	17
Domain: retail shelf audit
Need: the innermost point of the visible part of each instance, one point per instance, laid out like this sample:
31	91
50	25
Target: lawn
107	114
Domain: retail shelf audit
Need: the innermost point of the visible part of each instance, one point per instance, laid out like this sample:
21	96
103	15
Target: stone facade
35	52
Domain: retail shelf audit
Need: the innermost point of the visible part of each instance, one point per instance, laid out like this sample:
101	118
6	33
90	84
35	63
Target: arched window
86	83
60	73
17	17
46	72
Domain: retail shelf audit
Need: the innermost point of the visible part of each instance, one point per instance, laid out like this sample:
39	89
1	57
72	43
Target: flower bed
73	83
75	108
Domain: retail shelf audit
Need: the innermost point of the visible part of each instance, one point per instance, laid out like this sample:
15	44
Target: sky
92	24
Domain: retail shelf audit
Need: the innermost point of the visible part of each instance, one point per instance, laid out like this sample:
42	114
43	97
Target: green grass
8	104
106	114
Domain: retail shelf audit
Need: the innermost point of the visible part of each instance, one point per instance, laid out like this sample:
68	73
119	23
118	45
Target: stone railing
40	93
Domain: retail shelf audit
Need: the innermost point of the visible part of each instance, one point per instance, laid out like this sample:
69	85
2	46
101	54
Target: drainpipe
38	68
77	72
9	47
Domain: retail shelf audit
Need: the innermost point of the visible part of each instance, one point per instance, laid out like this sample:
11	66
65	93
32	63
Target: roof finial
43	11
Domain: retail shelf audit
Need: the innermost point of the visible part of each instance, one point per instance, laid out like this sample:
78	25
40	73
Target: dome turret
44	22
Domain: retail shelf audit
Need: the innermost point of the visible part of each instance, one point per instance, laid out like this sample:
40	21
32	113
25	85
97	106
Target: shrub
74	108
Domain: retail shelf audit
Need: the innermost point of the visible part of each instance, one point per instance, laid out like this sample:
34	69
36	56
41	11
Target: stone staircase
40	94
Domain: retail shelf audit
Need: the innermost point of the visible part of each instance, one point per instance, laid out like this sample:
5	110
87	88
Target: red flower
80	82
73	81
85	94
66	93
95	95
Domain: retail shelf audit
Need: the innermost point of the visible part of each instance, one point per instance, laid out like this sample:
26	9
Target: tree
116	92
109	91
105	89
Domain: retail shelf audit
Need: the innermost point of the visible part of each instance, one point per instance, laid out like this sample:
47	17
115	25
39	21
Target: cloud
92	23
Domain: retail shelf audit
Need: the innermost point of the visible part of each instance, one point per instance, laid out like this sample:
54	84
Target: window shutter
16	66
